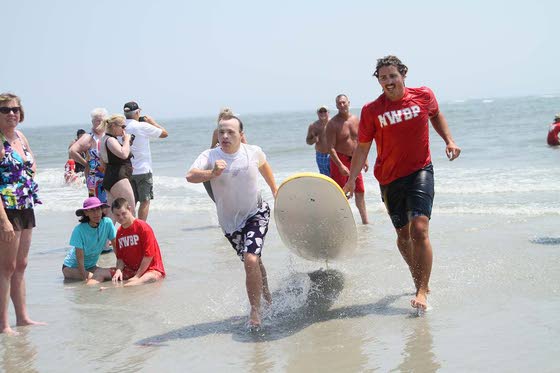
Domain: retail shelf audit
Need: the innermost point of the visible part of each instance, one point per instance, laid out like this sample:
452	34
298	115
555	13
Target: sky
182	59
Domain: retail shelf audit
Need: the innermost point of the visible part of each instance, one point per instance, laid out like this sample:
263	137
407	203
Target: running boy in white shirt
232	170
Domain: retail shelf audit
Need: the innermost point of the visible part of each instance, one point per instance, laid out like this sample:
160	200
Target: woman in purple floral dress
18	192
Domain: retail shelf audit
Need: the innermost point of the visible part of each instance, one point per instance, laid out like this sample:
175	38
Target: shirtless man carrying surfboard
342	140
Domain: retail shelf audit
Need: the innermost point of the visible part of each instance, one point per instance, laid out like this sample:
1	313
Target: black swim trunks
409	196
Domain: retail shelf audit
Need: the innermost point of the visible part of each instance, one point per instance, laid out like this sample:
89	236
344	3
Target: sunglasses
7	110
322	111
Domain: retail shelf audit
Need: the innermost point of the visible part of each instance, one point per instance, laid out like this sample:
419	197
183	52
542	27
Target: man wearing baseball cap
88	241
316	134
143	128
553	130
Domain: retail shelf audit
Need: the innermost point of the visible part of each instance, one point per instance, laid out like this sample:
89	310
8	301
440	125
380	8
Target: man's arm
118	276
151	121
196	175
331	143
358	159
266	172
311	138
80	146
442	128
135	280
214	139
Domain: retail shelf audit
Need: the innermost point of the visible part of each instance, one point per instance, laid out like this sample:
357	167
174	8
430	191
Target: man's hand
149	119
219	167
349	188
344	170
452	151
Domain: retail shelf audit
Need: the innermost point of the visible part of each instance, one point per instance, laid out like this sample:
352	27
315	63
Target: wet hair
99	112
6	97
85	219
390	61
119	203
111	121
80	132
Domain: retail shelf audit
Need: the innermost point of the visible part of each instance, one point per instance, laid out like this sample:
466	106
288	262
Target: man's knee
251	260
419	228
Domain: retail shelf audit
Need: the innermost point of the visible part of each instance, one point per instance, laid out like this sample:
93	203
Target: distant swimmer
317	134
398	122
342	139
553	131
232	169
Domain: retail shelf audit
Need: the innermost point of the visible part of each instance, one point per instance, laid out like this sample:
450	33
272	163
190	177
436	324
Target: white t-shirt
142	160
235	190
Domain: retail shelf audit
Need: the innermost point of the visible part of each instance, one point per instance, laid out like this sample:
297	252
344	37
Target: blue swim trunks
323	162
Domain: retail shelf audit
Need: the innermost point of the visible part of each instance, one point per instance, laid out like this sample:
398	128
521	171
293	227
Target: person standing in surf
316	134
232	170
342	140
89	144
398	122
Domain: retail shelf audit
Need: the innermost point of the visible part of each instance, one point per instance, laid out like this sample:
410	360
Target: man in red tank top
398	122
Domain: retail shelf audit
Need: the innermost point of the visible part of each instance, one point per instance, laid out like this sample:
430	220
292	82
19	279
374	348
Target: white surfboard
313	217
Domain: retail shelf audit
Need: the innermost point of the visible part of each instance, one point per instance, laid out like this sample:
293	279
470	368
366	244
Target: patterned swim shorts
250	239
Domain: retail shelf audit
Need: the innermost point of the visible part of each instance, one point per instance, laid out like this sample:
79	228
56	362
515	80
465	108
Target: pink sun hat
90	203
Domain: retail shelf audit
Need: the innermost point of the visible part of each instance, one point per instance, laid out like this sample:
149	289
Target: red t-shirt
136	242
401	132
552	138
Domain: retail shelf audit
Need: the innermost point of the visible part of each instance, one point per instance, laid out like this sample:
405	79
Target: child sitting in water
88	241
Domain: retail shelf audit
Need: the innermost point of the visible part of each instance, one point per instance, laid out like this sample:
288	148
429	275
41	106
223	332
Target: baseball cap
557	116
130	106
322	107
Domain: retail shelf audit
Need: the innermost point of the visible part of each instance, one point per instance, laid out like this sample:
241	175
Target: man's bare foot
420	302
30	322
9	331
254	319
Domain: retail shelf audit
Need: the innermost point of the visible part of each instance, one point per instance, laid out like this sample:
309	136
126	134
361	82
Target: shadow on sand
291	312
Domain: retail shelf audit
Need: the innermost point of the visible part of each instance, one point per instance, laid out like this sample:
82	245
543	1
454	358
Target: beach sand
493	305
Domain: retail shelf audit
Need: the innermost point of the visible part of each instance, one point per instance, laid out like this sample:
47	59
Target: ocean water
495	282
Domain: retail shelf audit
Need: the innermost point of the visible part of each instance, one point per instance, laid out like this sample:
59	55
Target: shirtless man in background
342	140
316	134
